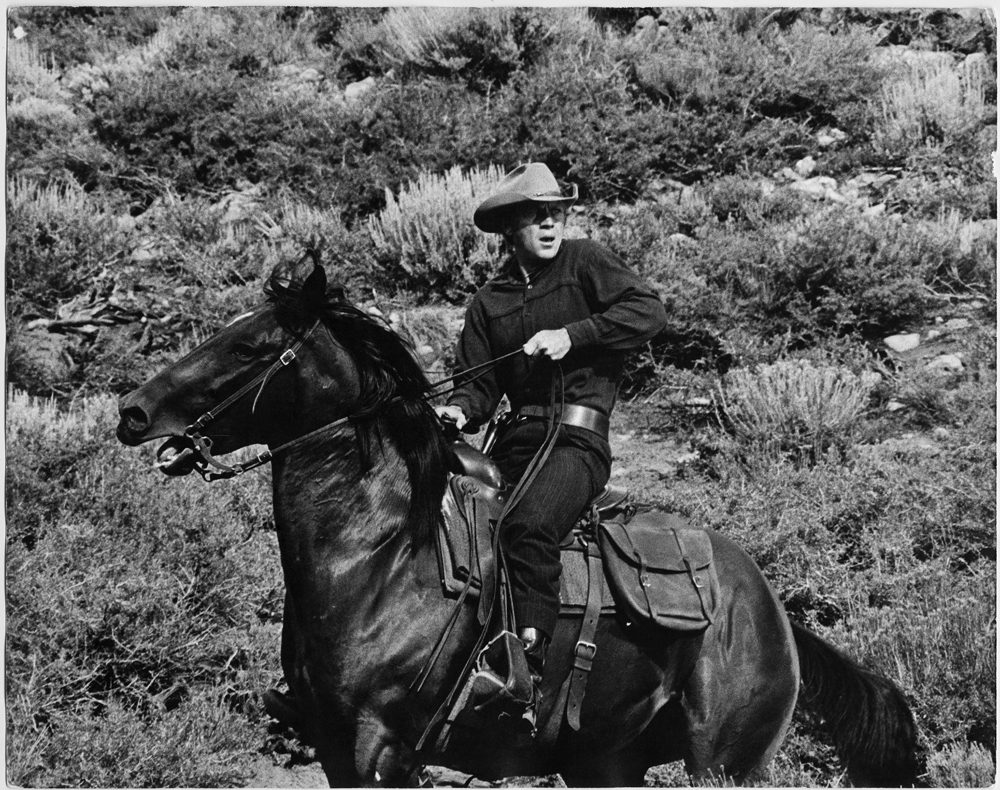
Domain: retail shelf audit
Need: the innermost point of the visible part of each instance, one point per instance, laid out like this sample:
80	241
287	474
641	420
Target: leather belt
572	414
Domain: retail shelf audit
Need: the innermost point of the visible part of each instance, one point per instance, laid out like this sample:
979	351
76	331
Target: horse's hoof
281	707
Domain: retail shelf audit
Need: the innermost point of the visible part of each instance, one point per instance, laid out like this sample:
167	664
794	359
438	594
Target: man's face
537	230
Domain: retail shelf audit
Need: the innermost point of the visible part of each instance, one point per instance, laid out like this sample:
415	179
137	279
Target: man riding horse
576	310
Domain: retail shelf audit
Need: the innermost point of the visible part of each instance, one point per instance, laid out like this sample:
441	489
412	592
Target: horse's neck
329	512
355	579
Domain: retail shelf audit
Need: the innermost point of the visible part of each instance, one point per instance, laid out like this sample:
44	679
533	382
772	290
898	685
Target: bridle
211	468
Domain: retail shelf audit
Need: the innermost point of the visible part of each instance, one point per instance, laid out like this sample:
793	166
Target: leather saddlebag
661	571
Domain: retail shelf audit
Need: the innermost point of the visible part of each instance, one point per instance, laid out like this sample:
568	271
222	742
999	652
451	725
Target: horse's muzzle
178	456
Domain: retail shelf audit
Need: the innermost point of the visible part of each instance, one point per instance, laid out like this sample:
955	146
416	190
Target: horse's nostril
135	420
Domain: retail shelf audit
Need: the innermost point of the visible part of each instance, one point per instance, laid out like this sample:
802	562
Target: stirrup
502	682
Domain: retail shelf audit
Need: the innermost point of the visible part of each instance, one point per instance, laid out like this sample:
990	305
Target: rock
902	343
894	405
933	334
941	434
875	211
356	90
953	324
310	75
806	166
818	188
947	363
787	174
680	238
828	137
144	254
645	29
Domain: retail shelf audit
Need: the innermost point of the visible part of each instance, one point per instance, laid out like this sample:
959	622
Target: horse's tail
872	726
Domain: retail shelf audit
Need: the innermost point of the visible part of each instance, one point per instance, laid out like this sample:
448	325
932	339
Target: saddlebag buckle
584	655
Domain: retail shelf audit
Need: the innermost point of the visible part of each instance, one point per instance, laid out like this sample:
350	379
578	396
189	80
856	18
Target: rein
203	444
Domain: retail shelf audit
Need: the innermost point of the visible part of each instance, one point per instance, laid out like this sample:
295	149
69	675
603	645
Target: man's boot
536	644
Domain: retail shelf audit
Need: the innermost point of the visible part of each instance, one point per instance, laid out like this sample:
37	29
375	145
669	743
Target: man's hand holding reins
451	414
552	343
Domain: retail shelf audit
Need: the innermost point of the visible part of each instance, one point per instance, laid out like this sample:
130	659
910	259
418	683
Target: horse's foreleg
380	756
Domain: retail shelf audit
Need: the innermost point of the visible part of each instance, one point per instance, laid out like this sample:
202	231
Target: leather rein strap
203	444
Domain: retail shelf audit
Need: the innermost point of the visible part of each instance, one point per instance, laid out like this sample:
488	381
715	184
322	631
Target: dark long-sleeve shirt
586	289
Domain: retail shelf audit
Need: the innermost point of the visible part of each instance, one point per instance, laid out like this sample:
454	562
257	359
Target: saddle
652	570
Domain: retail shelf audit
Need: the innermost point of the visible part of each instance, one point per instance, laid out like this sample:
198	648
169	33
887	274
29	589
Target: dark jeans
575	472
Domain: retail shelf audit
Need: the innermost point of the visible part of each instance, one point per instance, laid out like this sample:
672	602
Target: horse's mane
393	391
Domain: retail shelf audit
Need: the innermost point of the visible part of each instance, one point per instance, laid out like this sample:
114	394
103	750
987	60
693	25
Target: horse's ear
314	288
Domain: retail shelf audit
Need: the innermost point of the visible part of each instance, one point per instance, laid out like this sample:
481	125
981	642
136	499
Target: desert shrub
939	639
794	406
201	131
31	73
926	196
481	46
58	240
931	101
47	142
425	237
712	65
133	627
961	765
347	253
752	203
839	273
963	30
71	35
579	118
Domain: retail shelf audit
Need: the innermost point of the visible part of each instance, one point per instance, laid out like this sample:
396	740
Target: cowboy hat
528	183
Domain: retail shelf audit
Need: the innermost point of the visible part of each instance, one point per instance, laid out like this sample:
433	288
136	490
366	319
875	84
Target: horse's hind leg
736	724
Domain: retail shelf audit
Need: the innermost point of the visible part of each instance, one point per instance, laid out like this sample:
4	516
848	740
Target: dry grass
46	202
932	100
29	73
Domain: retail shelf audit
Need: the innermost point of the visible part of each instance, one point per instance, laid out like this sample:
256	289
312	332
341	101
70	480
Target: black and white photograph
500	396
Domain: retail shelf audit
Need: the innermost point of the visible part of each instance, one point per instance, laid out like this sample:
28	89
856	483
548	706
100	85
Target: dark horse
359	470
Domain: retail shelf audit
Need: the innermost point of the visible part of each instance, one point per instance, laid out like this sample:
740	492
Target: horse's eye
244	352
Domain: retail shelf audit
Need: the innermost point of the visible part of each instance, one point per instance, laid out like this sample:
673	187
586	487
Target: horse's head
301	361
266	376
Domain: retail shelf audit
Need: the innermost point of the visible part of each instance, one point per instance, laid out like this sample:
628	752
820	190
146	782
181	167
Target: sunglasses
538	212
